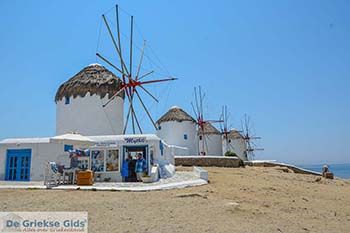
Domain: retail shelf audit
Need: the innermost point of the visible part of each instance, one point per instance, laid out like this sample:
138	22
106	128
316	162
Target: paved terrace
179	180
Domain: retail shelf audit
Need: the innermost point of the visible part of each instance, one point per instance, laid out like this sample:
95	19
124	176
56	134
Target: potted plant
146	179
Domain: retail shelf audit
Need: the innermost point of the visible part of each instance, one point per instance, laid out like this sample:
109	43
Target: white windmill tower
177	127
79	103
209	138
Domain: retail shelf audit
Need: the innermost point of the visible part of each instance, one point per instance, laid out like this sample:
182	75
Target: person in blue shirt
125	168
140	167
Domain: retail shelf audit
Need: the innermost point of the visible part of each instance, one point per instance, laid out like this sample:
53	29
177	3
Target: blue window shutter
161	147
18	163
68	147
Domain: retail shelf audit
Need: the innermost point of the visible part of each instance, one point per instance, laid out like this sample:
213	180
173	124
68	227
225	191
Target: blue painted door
18	165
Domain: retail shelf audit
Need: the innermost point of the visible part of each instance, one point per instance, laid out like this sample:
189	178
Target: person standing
140	167
125	168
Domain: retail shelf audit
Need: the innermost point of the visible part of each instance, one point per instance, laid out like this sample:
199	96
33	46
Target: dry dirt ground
236	200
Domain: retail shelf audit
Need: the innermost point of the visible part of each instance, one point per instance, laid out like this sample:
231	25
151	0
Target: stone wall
207	161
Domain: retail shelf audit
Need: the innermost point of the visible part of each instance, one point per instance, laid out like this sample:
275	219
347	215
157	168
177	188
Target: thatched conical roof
234	134
208	129
175	114
93	79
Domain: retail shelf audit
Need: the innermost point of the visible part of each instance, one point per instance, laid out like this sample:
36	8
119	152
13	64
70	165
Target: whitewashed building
210	140
80	100
80	111
177	127
24	159
110	152
235	142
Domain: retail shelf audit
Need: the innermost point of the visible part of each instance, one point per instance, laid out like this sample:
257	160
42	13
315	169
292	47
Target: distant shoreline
339	170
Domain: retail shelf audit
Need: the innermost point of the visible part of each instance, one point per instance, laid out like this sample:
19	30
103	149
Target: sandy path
236	200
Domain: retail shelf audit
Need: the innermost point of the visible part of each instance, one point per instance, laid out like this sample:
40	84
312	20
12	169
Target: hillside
236	200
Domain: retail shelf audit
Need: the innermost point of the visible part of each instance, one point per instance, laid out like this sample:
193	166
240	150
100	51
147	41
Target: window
18	164
105	160
112	160
185	136
68	148
200	137
151	155
66	100
161	147
98	161
83	162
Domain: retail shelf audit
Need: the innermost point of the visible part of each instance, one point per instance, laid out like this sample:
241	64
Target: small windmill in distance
233	140
131	82
249	138
225	128
204	127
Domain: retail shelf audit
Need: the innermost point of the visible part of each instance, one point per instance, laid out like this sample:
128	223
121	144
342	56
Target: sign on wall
135	140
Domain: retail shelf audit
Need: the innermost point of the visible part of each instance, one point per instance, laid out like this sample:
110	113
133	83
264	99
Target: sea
339	170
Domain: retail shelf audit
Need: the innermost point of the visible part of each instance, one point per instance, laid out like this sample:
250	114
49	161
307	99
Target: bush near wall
231	154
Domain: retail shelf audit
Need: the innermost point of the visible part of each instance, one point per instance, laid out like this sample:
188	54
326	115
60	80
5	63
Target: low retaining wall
207	161
276	164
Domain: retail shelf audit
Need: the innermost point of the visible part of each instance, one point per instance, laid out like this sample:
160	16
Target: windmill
204	127
249	137
131	82
232	139
224	124
225	129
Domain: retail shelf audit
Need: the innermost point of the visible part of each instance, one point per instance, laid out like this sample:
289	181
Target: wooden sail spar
131	82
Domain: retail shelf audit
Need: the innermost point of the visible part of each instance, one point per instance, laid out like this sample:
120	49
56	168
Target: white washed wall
237	146
172	132
171	151
214	144
41	153
2	162
86	116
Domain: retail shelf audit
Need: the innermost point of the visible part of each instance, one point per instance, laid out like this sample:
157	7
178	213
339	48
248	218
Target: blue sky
284	63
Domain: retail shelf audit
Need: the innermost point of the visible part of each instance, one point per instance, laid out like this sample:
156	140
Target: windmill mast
200	120
224	126
249	138
131	83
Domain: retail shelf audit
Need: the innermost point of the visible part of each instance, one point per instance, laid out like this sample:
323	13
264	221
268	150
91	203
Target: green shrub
233	154
230	154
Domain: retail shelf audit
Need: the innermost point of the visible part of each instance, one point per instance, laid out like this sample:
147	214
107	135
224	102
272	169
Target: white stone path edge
175	185
193	179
